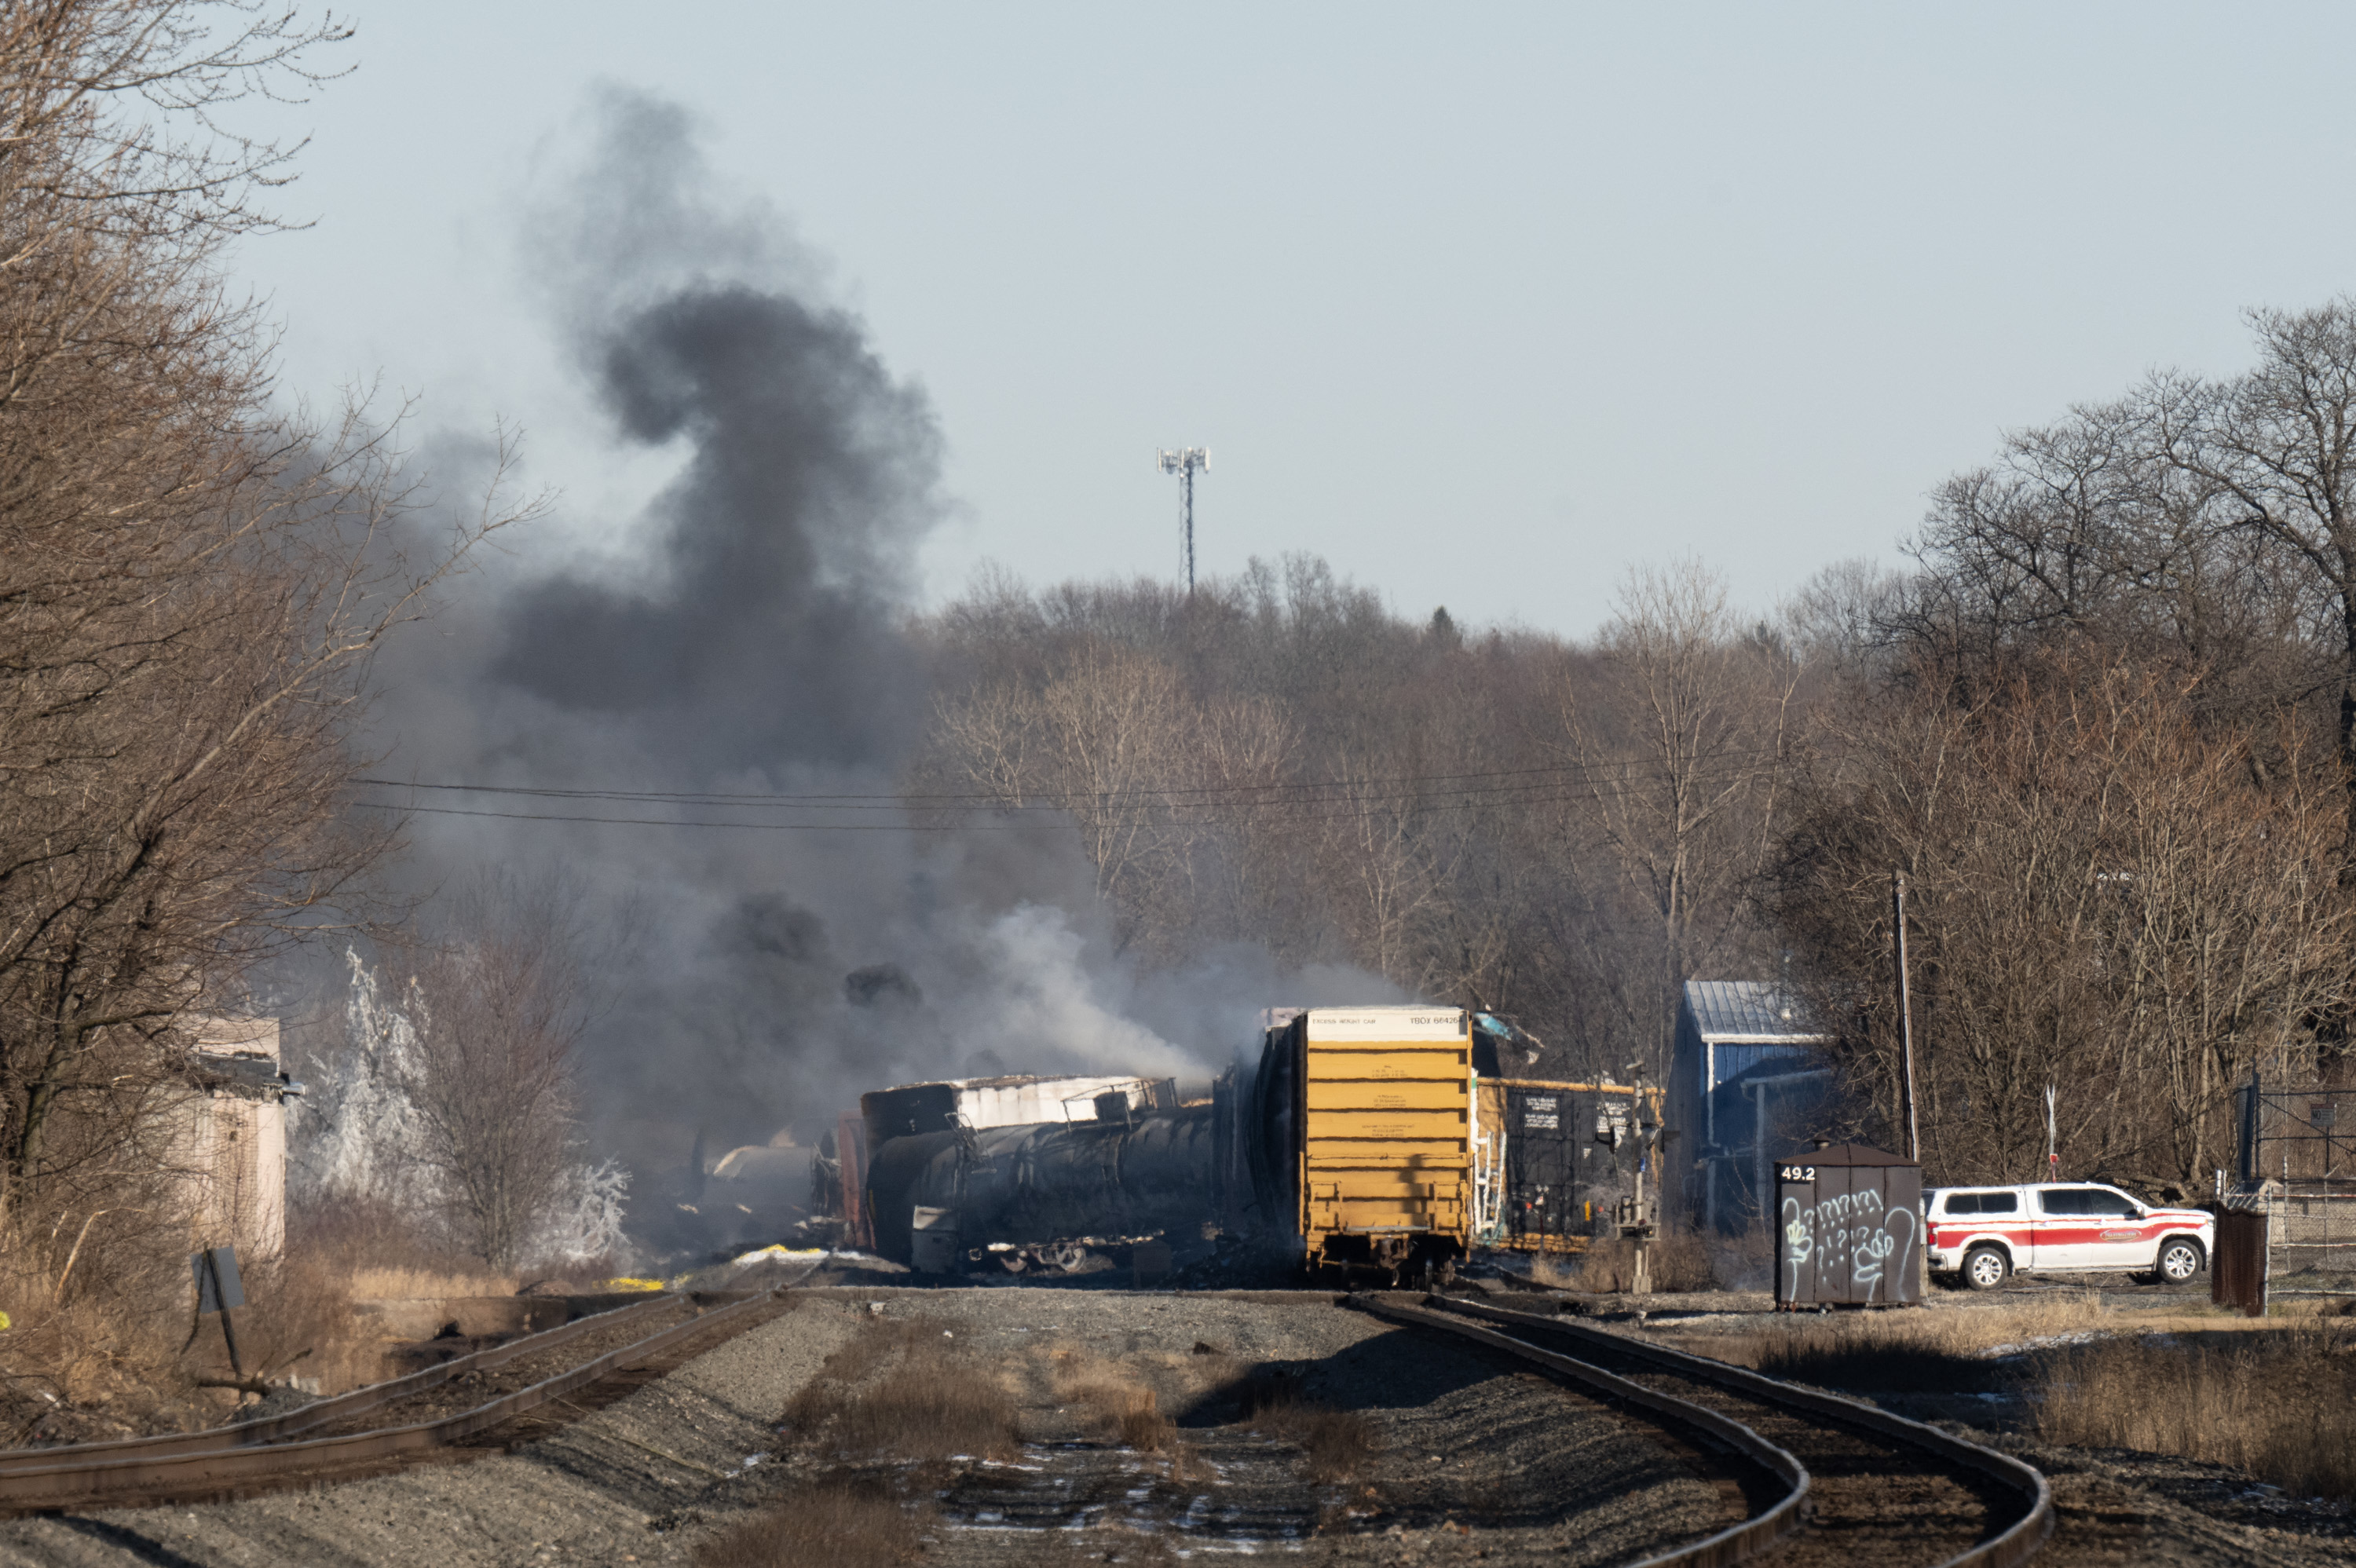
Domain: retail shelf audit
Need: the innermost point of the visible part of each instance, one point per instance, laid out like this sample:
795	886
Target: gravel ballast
1473	1456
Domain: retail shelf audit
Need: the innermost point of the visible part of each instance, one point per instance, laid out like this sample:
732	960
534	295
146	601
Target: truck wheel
2180	1260
1984	1268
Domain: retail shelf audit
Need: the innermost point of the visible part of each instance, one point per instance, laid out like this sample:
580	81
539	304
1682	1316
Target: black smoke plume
745	633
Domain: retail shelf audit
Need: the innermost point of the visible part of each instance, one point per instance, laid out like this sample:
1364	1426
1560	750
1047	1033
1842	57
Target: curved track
273	1454
1862	1485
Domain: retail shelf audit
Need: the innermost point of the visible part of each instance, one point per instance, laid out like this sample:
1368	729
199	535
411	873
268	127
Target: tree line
193	577
2103	721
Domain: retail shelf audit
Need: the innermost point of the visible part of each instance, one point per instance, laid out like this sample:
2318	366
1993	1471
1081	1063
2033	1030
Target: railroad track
373	1428
1856	1482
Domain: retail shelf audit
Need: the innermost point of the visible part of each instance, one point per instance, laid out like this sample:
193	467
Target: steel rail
1736	1542
2016	1544
219	1471
322	1413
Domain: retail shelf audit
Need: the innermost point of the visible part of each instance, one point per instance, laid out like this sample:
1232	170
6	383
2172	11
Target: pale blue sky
1481	303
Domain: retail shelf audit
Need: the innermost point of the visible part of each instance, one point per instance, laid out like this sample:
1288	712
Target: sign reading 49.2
1796	1173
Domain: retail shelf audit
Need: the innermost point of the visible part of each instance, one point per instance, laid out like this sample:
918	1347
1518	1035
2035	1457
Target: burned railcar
1553	1158
1013	1100
1043	1190
1367	1138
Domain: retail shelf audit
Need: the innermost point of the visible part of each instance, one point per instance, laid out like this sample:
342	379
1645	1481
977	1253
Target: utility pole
1905	1014
1185	463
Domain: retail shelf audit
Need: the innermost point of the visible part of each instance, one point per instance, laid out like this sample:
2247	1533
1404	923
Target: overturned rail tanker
1049	1183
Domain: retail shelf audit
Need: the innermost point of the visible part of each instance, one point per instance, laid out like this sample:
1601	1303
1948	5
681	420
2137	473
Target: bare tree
188	584
2103	897
498	1008
1678	757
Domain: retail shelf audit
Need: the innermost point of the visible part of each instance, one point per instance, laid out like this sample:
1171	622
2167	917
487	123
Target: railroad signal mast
1186	463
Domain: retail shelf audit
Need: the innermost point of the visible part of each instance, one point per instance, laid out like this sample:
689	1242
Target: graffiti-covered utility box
1848	1228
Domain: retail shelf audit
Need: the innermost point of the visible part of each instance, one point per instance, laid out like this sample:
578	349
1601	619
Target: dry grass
905	1390
402	1283
1680	1261
1856	1350
843	1524
100	1305
1126	1413
1112	1398
385	1256
2281	1406
101	1346
1931	1351
2276	1398
1334	1445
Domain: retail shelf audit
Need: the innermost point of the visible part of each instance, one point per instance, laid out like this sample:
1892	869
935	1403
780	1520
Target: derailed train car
1041	1192
1553	1159
1359	1137
1351	1141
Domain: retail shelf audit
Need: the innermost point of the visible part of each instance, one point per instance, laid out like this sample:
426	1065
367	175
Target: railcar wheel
1984	1268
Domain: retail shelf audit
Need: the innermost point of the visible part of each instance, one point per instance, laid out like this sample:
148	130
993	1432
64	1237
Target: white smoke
1041	999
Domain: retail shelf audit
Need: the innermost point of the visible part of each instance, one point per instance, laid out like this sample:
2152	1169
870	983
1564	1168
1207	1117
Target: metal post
1185	463
1905	1014
1758	1160
224	1296
1186	524
2248	1151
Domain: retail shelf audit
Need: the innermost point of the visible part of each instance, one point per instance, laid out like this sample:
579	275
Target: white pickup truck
1987	1233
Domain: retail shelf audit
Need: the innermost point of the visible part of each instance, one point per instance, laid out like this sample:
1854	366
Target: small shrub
840	1524
1335	1444
932	1404
1127	1414
1679	1261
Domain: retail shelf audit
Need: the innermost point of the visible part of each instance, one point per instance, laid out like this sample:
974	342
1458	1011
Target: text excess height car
1986	1232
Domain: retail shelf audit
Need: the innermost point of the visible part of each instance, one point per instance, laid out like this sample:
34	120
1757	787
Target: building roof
1747	1012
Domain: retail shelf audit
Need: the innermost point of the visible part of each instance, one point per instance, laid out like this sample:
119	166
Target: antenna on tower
1184	462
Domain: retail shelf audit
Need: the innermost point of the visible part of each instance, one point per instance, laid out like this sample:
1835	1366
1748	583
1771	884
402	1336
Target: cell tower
1184	462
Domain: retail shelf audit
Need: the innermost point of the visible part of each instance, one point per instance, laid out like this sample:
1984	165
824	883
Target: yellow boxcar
1384	1109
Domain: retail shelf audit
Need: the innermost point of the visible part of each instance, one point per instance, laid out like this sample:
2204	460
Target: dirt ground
603	1491
1461	1443
2116	1507
1473	1457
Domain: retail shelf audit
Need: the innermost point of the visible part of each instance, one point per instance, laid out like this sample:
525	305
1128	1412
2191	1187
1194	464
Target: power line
1053	799
1265	813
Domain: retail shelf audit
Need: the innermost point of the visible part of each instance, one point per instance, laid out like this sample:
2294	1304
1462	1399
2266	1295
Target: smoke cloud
744	636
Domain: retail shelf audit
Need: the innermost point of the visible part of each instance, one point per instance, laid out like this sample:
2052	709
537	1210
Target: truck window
2000	1202
1963	1203
2072	1200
